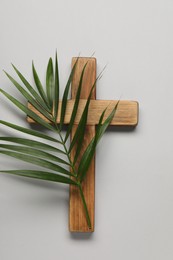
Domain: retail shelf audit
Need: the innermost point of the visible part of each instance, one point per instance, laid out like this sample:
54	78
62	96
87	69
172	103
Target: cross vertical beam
77	219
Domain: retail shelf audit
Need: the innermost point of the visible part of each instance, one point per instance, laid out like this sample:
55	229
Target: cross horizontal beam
126	114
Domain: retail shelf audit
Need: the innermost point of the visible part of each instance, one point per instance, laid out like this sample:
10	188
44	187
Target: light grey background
134	178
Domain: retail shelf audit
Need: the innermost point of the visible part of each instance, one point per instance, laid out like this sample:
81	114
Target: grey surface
134	178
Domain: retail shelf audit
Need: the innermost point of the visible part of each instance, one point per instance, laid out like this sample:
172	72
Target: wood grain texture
126	115
77	219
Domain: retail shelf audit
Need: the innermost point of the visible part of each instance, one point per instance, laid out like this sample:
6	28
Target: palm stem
75	177
85	206
65	148
68	156
80	186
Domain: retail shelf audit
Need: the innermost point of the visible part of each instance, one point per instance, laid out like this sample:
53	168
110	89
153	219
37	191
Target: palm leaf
90	150
65	95
42	175
39	85
29	131
31	143
37	161
80	131
56	89
33	152
107	122
76	104
29	97
27	111
50	82
32	90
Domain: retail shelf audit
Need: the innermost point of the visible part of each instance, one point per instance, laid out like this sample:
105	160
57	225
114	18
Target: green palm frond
80	131
37	161
34	152
30	99
56	90
34	93
76	104
27	111
32	143
43	154
65	95
90	150
29	131
50	82
39	86
42	175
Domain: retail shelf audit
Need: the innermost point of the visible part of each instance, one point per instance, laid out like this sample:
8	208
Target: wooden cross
126	115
